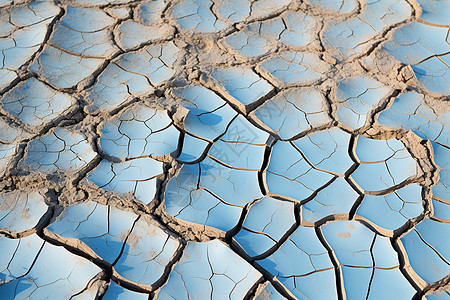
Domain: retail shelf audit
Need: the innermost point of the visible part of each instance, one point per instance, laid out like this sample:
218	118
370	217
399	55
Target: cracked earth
225	149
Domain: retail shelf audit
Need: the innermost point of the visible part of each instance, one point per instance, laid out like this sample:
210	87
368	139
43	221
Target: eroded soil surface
225	149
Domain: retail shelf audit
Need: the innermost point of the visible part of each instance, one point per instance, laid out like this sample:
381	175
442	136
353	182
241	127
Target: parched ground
225	149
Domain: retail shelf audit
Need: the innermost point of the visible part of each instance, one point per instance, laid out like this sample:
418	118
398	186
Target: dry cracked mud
225	149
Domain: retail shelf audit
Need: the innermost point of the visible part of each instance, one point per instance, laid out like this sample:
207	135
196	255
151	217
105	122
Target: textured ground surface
225	149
